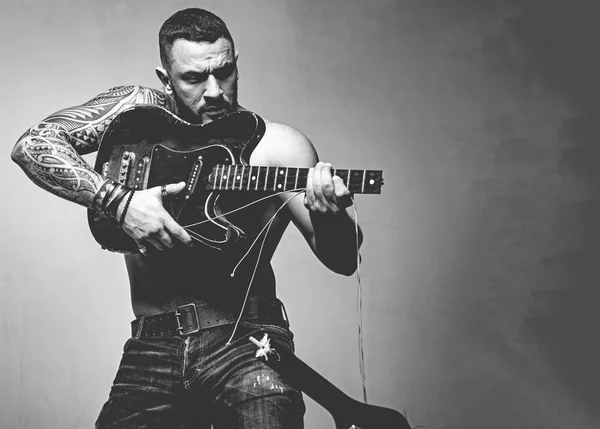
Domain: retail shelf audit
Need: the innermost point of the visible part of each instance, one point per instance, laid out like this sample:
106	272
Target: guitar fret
296	181
348	180
215	181
257	178
249	175
266	177
222	176
228	176
285	180
362	189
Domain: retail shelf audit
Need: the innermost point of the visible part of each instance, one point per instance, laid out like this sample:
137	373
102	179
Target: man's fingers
165	238
156	243
327	184
178	232
339	188
170	189
324	191
309	199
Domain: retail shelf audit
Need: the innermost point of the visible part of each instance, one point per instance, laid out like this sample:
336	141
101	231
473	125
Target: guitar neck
236	177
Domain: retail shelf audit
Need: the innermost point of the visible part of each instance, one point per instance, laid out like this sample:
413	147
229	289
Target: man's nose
213	89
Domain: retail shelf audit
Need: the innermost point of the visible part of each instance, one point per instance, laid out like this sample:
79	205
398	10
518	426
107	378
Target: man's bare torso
166	279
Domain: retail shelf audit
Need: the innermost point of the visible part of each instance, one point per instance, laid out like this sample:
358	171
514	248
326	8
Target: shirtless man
169	377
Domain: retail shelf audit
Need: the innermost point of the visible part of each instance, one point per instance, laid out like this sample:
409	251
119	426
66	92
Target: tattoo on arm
50	151
52	163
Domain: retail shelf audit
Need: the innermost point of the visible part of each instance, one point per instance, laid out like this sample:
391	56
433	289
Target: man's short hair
193	24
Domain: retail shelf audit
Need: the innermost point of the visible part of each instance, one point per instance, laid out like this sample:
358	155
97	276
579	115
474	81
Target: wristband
122	218
100	196
113	200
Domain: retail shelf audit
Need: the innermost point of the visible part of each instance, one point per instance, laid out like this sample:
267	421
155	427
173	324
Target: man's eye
224	72
195	78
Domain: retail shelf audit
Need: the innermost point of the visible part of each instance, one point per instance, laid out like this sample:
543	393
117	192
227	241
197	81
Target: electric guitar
347	413
147	146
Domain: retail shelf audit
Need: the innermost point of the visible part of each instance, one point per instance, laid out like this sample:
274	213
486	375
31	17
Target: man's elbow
16	153
345	267
346	271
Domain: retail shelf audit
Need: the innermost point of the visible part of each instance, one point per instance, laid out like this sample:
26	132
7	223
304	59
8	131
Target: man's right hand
147	221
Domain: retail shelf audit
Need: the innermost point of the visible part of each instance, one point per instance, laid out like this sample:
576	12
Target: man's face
203	78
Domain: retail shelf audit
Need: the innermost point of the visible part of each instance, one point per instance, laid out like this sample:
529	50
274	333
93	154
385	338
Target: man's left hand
326	193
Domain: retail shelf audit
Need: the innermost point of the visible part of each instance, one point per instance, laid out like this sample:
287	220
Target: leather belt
190	318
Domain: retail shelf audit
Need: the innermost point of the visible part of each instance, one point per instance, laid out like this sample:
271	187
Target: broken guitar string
264	345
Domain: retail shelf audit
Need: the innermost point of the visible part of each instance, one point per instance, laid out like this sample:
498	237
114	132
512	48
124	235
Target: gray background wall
480	261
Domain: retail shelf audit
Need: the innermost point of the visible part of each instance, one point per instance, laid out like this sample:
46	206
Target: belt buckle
182	329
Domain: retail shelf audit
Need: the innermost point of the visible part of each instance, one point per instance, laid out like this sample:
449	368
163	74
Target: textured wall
479	263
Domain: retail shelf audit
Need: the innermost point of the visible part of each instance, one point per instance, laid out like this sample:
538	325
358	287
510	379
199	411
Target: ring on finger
163	191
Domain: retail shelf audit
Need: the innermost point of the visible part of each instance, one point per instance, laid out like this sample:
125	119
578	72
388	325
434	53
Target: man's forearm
52	163
335	241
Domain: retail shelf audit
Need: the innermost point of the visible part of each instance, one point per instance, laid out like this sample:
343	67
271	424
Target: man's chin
204	116
215	114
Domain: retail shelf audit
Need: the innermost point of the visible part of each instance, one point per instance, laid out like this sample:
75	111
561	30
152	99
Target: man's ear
164	78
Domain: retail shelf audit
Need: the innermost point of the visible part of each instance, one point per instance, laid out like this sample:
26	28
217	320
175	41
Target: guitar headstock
366	416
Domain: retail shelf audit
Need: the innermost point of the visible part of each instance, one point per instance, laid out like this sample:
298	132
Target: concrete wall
479	269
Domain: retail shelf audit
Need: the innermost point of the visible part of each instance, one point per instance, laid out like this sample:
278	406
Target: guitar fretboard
236	177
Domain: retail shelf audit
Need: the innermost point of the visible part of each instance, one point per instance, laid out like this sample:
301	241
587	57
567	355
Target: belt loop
138	333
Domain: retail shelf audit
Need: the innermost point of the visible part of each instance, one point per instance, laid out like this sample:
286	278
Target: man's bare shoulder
84	124
285	146
106	104
130	95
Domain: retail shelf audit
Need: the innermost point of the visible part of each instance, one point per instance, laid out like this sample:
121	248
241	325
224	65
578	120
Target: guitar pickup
141	173
194	177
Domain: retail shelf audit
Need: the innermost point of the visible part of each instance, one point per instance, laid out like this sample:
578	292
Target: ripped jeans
198	381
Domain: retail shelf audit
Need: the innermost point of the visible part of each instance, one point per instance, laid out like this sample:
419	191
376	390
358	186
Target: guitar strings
267	227
196	235
359	305
244	206
269	223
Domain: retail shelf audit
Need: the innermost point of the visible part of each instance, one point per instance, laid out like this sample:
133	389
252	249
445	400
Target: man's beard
185	113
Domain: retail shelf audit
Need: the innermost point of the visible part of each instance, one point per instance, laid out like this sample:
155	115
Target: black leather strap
195	316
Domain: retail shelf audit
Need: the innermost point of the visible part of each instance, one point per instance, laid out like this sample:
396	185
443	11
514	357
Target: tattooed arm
49	152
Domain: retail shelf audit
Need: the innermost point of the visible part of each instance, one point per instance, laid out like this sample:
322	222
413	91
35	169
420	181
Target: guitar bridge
126	160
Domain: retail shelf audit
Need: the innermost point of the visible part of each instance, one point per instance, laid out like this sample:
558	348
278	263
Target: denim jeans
198	380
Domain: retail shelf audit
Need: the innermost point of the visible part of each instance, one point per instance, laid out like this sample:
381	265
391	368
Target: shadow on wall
561	43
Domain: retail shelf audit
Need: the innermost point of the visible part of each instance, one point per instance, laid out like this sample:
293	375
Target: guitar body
148	146
347	413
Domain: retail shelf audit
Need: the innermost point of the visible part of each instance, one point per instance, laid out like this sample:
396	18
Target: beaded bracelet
122	219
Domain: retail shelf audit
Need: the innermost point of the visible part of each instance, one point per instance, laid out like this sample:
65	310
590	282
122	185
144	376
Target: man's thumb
173	188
